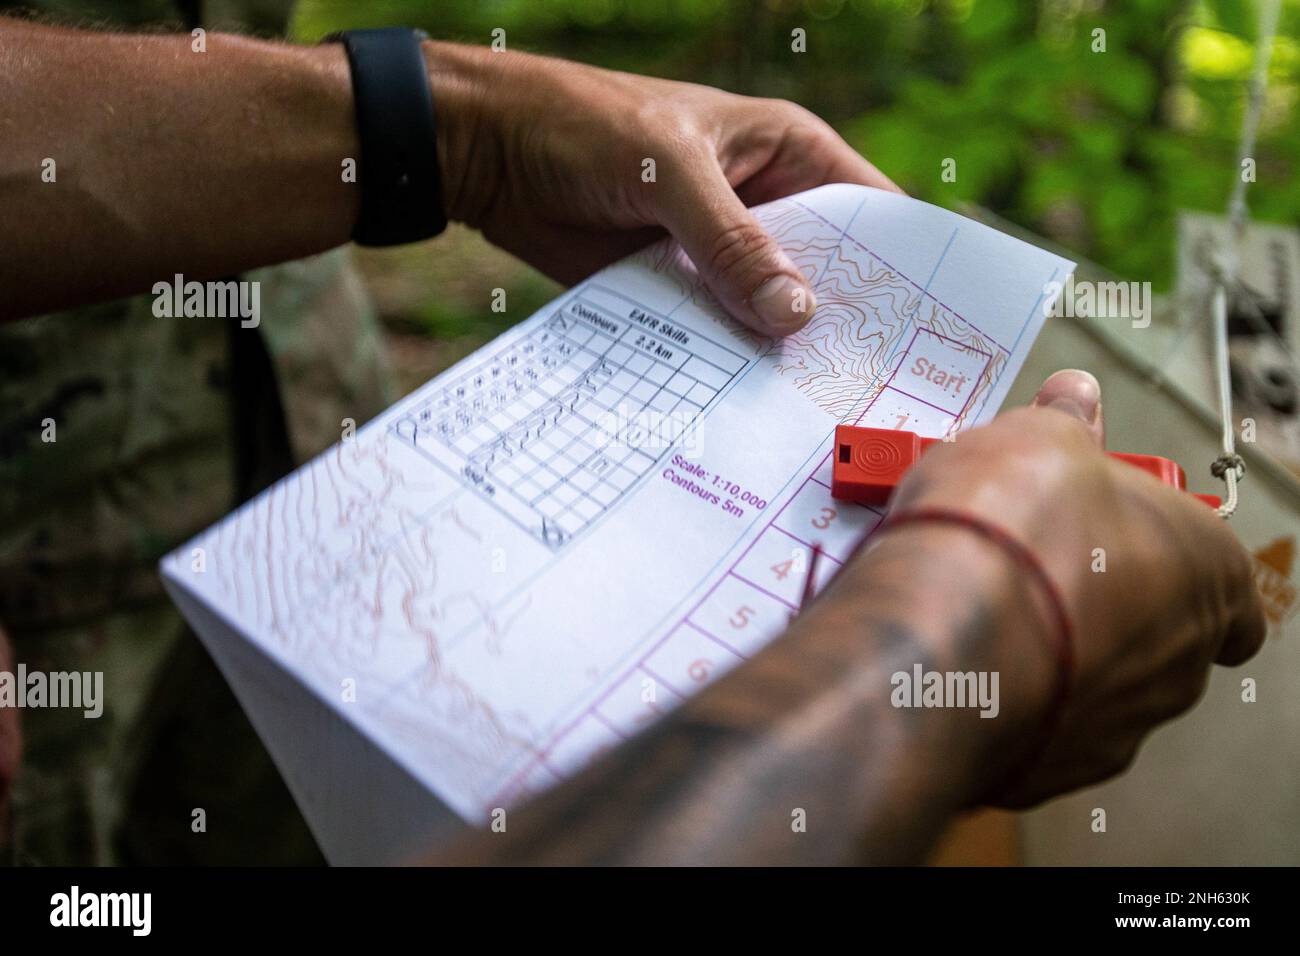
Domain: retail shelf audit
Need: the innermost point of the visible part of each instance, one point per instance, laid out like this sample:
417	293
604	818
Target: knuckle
1218	618
1047	426
1048	447
1253	624
788	122
738	248
804	129
792	112
1239	568
1218	573
673	129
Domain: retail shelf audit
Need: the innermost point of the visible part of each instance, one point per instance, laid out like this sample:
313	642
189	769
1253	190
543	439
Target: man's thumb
1078	394
741	264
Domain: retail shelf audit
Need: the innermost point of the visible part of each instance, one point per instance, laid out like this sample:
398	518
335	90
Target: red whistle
869	462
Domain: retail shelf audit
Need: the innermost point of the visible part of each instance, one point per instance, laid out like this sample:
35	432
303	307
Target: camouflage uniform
160	427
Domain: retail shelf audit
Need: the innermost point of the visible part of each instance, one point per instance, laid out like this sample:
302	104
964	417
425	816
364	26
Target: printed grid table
555	427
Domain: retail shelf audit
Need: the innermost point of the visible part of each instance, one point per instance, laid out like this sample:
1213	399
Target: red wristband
1025	559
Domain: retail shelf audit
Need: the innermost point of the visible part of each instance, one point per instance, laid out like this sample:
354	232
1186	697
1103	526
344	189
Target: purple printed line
806	544
759	588
886	385
540	757
714	638
971	397
591	711
685	619
900	274
545	764
958	342
921	400
603	719
653	676
772	520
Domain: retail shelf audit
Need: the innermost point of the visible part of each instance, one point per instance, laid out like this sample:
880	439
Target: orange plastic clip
869	462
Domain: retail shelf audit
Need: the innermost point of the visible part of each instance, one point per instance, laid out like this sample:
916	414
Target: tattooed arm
808	724
806	733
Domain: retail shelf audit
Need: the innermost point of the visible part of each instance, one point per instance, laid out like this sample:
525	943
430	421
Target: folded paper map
561	538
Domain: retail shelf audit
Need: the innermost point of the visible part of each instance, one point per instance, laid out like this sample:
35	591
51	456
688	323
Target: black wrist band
401	183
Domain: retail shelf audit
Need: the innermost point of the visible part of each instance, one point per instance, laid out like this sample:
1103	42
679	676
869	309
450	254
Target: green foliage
1097	150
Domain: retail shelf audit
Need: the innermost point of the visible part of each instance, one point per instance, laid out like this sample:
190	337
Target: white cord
1229	466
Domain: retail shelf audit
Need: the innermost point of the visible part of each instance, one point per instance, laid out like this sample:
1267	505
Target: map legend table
558	424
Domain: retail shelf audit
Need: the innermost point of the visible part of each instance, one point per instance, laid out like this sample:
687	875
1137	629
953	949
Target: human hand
1176	595
547	158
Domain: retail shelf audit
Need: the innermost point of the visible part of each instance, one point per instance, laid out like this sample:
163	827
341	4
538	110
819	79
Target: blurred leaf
1050	181
992	20
1125	82
1102	144
1121	207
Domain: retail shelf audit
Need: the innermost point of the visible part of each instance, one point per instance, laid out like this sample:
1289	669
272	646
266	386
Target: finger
1222	573
1247	627
1245	635
740	263
1078	394
806	162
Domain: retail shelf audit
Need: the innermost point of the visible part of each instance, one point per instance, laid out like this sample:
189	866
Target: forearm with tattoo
808	726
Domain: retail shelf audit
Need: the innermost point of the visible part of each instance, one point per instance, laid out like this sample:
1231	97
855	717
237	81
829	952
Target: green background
1095	150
